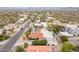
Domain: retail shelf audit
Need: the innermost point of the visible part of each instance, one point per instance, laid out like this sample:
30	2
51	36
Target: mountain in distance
37	8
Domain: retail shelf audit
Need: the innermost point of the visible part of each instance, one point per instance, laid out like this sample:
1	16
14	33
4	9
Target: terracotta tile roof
39	49
36	35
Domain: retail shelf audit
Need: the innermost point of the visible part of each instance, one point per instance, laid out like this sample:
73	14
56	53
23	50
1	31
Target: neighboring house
36	35
37	25
73	23
23	16
49	18
65	34
41	25
44	25
32	26
72	29
38	21
57	22
10	28
48	35
21	20
39	49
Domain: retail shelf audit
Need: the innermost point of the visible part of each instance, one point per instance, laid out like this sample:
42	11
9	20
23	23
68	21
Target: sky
39	3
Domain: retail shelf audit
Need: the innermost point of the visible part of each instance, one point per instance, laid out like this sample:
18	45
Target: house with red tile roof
39	49
36	35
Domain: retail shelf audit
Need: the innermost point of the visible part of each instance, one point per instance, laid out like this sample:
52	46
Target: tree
19	49
64	38
28	32
57	28
76	49
55	31
66	47
25	45
3	37
54	28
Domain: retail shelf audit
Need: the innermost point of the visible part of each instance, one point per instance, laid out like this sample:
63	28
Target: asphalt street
12	40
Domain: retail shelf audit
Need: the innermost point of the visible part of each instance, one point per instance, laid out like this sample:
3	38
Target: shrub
19	49
54	28
66	47
76	49
25	45
39	42
3	37
64	38
28	32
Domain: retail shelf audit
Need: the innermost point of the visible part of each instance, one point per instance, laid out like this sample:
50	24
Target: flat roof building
65	34
72	29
